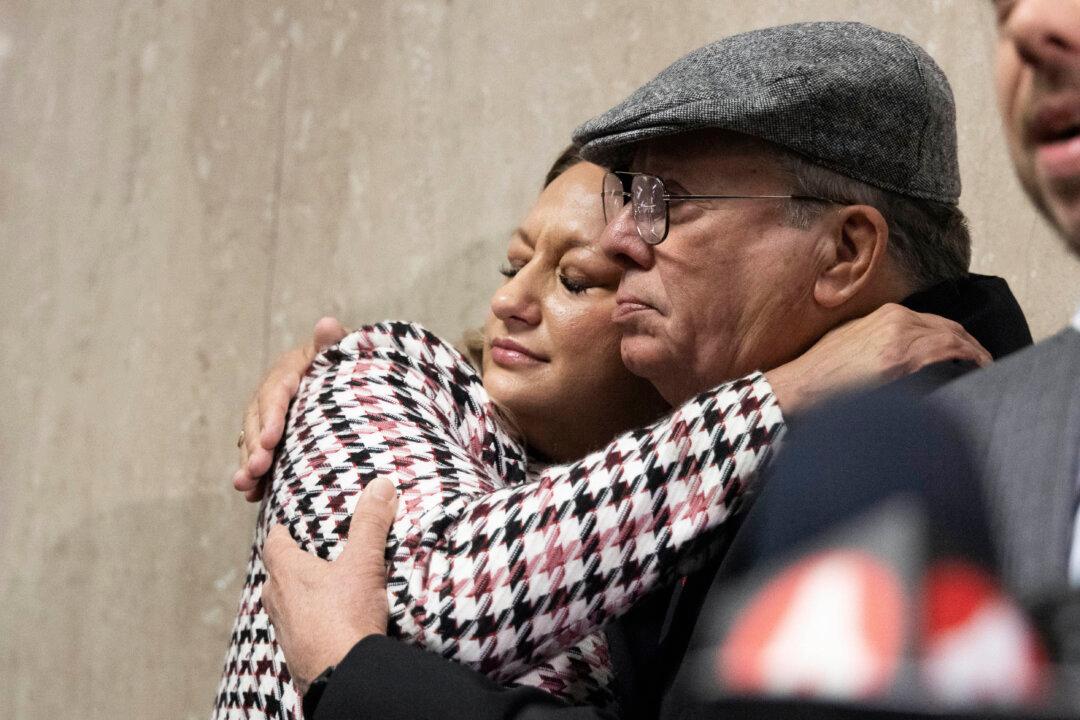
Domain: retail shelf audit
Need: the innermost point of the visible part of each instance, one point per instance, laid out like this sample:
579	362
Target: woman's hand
889	343
264	419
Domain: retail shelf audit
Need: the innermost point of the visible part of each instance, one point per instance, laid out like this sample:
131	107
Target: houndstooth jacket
508	568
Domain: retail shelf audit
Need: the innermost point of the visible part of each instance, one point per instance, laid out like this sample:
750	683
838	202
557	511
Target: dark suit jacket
1022	418
388	679
994	458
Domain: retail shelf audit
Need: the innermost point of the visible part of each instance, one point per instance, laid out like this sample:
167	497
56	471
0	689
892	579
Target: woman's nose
622	243
517	299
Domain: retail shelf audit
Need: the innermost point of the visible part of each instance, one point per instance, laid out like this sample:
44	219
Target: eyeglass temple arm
670	197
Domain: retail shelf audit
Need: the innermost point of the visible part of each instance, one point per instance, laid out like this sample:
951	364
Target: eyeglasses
651	199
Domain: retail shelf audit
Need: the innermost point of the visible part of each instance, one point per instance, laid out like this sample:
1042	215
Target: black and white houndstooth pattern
509	569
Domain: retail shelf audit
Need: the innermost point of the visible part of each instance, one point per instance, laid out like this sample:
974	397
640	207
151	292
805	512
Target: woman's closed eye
575	286
508	271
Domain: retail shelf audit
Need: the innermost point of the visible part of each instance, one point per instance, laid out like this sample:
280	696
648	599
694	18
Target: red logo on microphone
831	625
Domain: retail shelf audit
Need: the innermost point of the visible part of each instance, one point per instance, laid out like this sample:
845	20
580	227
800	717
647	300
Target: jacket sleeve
501	574
387	679
504	579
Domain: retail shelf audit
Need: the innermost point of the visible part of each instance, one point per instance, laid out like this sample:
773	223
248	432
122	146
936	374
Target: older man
759	209
1004	439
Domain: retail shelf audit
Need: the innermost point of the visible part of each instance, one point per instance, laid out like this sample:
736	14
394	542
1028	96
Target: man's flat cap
868	104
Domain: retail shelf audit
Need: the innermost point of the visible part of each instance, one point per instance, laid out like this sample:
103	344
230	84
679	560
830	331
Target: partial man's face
1038	84
725	293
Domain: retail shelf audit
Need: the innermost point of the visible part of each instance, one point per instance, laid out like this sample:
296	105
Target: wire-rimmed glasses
650	201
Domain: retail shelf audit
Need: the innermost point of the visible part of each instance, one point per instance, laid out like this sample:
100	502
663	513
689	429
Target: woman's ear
856	241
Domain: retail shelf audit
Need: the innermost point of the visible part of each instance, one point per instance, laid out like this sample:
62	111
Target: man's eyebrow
670	184
676	187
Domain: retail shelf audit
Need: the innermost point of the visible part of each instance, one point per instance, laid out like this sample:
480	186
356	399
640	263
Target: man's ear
855	245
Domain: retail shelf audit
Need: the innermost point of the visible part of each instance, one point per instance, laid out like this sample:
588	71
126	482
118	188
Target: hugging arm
497	574
264	418
491	614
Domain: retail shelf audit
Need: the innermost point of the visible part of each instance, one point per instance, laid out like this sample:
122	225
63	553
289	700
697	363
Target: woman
498	560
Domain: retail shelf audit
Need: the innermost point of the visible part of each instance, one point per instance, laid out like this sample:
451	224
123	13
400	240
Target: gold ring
240	440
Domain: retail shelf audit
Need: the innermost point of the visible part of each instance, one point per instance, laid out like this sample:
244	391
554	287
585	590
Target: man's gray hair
929	240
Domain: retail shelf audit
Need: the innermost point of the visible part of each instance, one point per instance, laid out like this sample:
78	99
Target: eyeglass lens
614	196
649	206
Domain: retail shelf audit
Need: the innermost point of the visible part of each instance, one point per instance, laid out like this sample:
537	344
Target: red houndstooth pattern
492	564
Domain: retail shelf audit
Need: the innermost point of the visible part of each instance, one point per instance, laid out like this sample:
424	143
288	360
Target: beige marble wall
186	186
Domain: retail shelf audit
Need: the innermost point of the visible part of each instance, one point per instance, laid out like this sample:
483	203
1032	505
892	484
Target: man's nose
516	301
622	243
1046	33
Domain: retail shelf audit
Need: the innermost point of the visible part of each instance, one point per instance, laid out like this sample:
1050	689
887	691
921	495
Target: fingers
277	542
952	342
273	401
933	337
282	556
250	432
328	331
259	463
371	522
264	417
973	349
286	565
242	481
931	348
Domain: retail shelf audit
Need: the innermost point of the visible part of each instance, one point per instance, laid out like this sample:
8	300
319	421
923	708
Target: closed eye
572	285
508	271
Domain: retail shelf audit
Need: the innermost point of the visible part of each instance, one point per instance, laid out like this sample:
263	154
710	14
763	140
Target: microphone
870	580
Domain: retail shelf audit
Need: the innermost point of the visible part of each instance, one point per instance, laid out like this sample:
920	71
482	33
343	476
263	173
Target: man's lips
625	306
1054	133
509	353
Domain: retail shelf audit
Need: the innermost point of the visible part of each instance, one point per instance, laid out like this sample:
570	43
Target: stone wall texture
186	186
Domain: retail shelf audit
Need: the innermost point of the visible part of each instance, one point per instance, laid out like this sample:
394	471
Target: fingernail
382	489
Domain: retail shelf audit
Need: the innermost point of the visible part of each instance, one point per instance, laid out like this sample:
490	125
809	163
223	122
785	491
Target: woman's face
551	352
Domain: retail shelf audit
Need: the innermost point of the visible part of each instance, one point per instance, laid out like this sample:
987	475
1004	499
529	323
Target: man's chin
648	358
1060	204
641	354
1067	222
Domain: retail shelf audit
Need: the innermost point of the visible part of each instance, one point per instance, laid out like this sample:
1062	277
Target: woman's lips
507	353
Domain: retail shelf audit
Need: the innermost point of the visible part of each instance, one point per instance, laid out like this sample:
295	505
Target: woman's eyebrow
570	241
523	236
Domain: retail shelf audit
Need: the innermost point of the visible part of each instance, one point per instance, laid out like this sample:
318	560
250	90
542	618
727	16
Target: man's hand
264	419
321	609
886	345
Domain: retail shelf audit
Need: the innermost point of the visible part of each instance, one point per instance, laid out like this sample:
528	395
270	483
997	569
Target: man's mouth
627	306
1055	125
1054	133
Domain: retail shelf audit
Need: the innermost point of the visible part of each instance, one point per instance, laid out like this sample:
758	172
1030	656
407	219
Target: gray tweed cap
866	103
